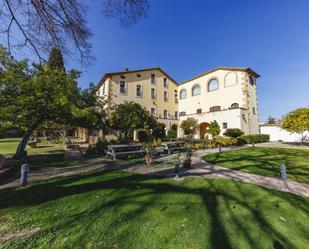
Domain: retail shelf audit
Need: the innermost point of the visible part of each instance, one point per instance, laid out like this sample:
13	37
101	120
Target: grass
45	162
8	147
113	209
265	161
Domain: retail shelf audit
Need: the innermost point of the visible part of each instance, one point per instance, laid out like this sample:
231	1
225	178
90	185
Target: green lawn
8	147
265	161
120	210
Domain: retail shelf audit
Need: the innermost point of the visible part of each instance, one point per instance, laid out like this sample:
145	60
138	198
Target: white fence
276	133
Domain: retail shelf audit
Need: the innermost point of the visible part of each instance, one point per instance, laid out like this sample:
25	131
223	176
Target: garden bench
156	150
172	146
124	149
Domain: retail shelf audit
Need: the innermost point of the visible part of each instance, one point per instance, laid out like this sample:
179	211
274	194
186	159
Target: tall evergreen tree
55	60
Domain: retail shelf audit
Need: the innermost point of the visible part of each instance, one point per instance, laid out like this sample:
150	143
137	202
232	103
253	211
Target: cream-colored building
225	94
152	88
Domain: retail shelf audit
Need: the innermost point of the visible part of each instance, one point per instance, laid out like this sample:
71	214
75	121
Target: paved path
205	169
201	168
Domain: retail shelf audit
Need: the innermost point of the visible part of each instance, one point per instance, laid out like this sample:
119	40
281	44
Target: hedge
255	138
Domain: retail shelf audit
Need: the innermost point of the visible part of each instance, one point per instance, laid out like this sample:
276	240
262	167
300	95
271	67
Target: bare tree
41	25
129	11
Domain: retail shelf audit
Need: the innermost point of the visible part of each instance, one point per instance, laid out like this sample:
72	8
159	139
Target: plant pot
187	163
149	159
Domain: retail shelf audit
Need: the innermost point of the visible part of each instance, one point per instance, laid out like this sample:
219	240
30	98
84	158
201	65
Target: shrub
158	132
171	134
233	132
224	141
255	138
142	135
189	125
214	128
99	148
217	140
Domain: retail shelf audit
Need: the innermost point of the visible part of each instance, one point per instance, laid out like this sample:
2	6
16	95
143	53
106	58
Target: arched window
251	80
235	106
183	94
181	114
196	90
215	108
213	85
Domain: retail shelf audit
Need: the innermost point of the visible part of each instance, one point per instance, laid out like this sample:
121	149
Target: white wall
225	96
276	133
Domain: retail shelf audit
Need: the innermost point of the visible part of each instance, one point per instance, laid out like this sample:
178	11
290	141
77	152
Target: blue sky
186	38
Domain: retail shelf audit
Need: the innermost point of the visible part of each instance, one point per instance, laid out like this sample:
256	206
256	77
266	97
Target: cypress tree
55	60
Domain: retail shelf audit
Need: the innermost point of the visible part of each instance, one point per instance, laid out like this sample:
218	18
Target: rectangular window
153	111
122	87
176	98
165	82
103	90
165	96
138	90
253	110
153	93
153	78
176	115
165	114
199	111
224	125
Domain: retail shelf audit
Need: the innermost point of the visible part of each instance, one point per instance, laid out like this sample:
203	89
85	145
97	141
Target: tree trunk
20	151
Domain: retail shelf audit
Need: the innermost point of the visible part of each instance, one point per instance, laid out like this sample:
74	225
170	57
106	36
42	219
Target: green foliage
131	116
171	134
217	140
214	129
233	132
297	121
255	138
158	132
142	135
99	148
31	96
271	120
55	60
189	125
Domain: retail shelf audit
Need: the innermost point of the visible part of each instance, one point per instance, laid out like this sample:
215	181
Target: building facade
152	88
225	94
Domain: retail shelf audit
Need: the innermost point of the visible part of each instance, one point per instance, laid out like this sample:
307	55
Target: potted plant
149	158
186	158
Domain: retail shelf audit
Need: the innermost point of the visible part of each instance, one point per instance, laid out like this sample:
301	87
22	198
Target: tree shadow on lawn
266	164
40	193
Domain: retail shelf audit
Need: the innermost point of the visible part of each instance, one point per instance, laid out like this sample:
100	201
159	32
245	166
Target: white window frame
155	79
166	96
218	86
141	91
166	114
185	90
192	89
166	82
155	93
125	87
155	111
